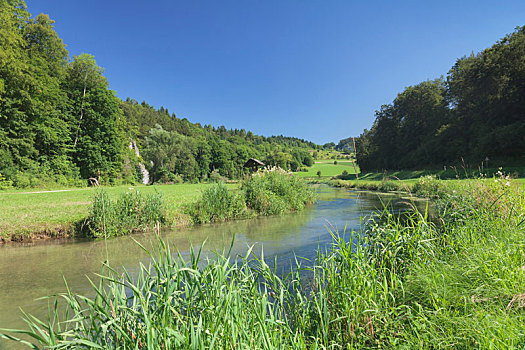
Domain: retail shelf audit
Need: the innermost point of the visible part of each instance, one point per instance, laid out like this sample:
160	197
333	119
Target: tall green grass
132	211
274	191
402	283
267	192
217	204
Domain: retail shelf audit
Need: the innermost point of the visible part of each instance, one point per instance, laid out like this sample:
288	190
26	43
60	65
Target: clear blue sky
307	68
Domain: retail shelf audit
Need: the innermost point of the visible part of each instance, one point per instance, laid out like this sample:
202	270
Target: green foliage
60	122
274	191
473	116
215	176
428	186
218	204
267	192
131	212
4	183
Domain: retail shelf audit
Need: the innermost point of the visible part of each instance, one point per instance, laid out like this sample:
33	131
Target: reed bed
403	283
132	211
270	191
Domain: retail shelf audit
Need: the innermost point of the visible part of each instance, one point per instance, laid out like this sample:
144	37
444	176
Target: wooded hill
60	122
475	113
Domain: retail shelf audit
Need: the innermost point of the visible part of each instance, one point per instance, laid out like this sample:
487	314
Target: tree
99	142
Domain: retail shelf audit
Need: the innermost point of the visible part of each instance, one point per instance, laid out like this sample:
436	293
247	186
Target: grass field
328	168
55	213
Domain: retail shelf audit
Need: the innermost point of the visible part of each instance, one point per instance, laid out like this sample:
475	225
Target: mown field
53	213
328	168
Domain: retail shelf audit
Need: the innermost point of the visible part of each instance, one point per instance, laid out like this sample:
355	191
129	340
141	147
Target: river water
30	272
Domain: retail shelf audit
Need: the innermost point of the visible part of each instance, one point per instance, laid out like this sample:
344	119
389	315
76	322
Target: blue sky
307	68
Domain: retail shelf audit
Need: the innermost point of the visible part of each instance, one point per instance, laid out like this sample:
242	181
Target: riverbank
41	215
396	284
114	211
418	182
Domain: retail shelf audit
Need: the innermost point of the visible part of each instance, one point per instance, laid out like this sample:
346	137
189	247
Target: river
29	272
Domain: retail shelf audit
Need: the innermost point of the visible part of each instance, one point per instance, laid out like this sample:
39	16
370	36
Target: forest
472	116
60	123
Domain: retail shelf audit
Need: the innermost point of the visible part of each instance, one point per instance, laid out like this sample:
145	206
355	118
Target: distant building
253	164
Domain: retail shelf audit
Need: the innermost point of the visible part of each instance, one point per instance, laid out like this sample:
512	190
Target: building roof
252	162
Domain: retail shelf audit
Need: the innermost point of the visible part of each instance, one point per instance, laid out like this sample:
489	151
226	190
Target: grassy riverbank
328	168
268	192
25	215
113	211
403	284
413	181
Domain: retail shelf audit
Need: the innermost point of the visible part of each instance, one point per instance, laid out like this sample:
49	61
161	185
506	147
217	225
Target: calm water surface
30	272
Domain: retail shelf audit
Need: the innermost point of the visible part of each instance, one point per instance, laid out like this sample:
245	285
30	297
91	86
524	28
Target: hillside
61	124
475	116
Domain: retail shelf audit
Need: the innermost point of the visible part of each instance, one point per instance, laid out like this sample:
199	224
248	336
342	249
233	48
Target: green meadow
328	168
55	213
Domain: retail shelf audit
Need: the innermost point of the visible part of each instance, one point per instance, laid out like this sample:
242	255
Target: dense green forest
61	124
474	114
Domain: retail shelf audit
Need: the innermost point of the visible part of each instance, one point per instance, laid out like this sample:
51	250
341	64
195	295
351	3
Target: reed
275	191
132	211
217	204
267	192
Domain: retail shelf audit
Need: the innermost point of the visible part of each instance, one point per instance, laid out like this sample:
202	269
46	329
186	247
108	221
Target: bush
131	212
167	177
22	180
215	176
428	186
267	192
4	183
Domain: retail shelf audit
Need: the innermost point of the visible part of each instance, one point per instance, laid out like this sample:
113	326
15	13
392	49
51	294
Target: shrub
4	183
429	186
22	180
215	176
167	177
132	211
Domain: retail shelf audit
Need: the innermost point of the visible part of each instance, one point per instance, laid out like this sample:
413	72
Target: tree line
474	114
61	123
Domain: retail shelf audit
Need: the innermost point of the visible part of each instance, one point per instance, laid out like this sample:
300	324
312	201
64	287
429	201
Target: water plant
270	191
